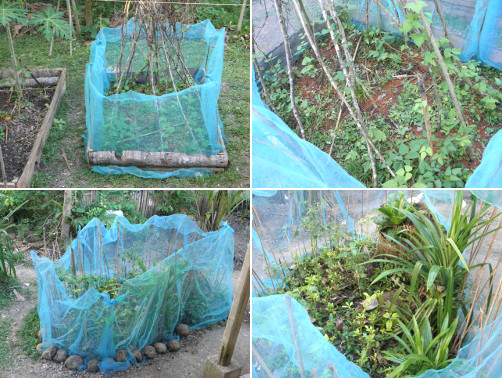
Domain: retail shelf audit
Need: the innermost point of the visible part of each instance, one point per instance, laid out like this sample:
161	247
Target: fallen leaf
6	119
339	324
370	305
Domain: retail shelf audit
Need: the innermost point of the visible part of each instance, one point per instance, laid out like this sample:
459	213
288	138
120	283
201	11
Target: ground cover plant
63	159
394	311
418	115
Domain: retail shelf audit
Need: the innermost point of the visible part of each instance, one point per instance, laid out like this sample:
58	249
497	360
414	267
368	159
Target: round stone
148	351
121	356
160	348
61	356
49	352
137	355
74	362
92	366
173	345
182	329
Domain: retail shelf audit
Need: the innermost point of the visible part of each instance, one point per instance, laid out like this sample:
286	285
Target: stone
49	352
121	356
40	346
148	351
160	348
173	345
92	366
74	362
39	334
137	355
61	356
182	329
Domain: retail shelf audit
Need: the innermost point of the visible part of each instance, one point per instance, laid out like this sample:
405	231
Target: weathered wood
38	146
42	72
32	83
162	160
241	298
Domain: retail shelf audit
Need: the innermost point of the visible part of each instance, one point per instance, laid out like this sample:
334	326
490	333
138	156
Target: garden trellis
473	26
162	135
153	276
286	340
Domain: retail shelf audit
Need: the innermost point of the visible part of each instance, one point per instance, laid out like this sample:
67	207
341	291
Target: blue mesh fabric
188	279
281	159
186	122
489	173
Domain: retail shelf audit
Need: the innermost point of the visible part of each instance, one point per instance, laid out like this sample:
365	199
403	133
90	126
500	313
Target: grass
28	334
5	344
69	125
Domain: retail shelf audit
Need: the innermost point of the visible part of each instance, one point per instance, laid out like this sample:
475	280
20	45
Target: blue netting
489	173
281	159
184	122
285	341
185	276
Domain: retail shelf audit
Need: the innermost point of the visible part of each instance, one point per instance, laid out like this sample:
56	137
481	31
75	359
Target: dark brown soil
20	120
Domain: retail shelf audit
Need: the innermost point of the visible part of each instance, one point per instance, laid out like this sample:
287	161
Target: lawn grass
69	125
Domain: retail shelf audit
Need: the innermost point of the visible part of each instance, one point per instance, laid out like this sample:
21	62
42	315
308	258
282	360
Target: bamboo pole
241	16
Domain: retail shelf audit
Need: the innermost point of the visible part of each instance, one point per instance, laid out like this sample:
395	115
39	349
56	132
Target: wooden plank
38	146
241	299
41	72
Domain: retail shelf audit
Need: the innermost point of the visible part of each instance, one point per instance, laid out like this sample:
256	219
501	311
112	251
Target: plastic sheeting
187	278
186	122
285	342
281	159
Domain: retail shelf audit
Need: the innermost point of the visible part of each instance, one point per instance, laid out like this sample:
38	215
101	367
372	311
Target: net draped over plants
152	275
286	340
475	27
186	121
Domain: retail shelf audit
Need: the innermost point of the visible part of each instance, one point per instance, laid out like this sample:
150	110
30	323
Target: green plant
217	206
7	256
432	257
28	334
391	215
422	350
50	23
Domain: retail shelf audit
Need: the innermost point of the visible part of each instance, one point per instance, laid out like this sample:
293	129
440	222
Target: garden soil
19	125
189	361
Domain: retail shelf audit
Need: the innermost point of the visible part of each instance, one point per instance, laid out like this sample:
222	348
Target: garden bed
26	123
389	101
158	119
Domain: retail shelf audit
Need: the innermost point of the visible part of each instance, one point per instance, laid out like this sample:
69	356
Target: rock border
73	362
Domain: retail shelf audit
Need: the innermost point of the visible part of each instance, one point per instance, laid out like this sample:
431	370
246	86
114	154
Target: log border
43	133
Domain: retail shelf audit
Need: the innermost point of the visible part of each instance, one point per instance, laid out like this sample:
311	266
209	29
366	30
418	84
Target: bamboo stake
289	63
293	331
425	108
68	8
2	166
241	16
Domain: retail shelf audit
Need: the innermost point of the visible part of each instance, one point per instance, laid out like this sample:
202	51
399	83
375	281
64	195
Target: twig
2	166
65	158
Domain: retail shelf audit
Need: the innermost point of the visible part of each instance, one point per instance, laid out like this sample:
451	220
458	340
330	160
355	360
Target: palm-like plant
422	350
217	206
12	12
432	256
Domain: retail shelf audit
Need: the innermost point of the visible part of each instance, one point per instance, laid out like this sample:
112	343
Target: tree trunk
13	57
65	225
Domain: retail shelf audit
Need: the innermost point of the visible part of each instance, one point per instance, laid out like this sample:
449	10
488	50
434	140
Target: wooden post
241	17
234	321
65	225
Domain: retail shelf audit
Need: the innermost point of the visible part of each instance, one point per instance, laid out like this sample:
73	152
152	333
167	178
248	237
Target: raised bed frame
47	77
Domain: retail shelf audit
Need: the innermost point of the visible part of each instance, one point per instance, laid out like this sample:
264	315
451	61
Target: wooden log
41	72
241	299
38	146
158	159
32	83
